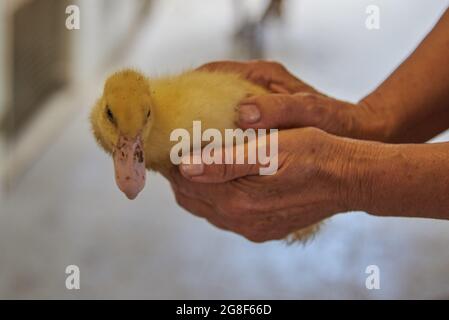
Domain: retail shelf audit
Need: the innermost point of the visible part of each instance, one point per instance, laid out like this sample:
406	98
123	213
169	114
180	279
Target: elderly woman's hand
295	104
309	186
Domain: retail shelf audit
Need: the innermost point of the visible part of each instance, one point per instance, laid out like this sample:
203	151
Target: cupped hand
305	189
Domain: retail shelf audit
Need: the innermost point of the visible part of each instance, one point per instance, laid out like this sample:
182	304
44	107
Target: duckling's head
120	120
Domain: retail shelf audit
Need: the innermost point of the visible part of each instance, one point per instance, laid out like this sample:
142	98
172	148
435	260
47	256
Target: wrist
366	120
378	119
350	165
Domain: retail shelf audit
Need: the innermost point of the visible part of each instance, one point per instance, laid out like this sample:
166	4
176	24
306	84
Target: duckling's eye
109	114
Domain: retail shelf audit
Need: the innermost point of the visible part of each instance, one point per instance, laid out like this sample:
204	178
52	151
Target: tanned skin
368	156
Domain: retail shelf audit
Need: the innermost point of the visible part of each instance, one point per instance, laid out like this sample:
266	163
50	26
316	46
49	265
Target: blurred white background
60	205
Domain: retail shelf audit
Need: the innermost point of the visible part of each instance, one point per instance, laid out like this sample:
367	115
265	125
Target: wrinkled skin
236	198
295	104
320	173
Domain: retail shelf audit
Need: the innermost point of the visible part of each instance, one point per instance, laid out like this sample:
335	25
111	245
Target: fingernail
249	113
192	168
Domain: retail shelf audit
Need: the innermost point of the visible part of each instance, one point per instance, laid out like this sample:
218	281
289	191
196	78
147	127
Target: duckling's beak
129	164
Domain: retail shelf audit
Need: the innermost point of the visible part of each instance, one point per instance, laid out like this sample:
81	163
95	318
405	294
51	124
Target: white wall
2	82
2	57
100	30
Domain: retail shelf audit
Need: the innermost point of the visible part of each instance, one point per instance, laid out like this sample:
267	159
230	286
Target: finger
282	111
204	206
199	191
200	209
206	203
277	88
197	207
230	163
247	69
225	65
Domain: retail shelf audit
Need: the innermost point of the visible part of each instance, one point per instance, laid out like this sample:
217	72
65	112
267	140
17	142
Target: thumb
236	162
283	111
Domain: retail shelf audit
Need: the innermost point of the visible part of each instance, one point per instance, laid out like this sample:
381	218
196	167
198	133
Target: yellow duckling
134	117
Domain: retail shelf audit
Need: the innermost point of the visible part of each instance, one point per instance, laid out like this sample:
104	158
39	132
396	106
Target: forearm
418	91
409	180
428	128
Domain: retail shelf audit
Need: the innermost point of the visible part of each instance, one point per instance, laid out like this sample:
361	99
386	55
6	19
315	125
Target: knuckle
309	99
314	136
273	63
311	131
267	64
257	62
274	103
264	101
315	105
208	66
284	106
